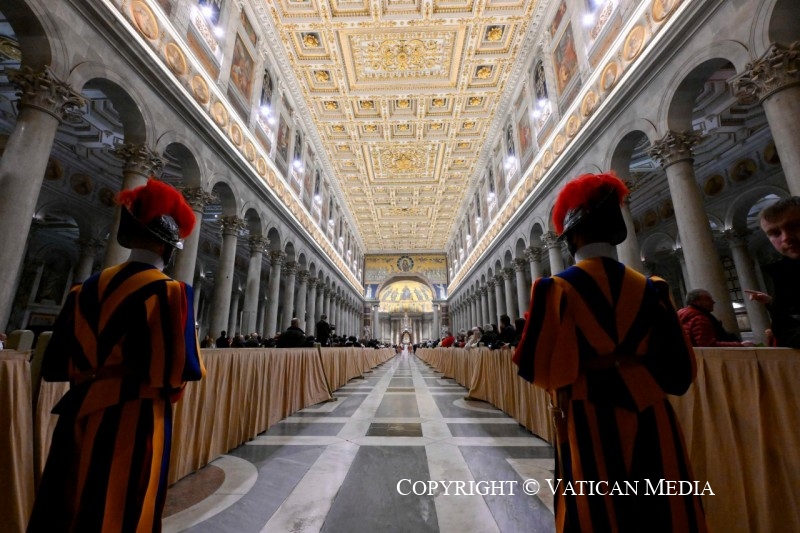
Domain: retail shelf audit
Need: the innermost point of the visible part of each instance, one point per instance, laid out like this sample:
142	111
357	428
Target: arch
274	239
288	249
508	259
657	242
678	107
252	220
783	26
736	216
182	162
224	203
134	113
628	145
37	35
519	248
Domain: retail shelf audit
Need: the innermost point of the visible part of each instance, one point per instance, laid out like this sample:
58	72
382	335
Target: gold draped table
740	418
16	440
741	421
244	393
491	376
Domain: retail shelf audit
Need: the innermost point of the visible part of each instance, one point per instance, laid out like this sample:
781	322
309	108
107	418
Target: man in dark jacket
323	330
781	224
293	337
223	341
507	331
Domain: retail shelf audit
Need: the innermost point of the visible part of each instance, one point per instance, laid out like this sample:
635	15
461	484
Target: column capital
499	279
40	89
490	283
197	198
550	239
276	257
231	224
508	273
521	264
675	147
736	238
776	70
303	275
140	158
484	290
290	268
326	290
533	254
90	244
258	243
312	282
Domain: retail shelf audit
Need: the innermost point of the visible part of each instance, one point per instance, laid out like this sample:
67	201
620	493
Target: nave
335	466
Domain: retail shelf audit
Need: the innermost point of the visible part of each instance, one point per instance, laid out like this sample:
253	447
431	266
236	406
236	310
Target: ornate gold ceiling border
632	44
158	38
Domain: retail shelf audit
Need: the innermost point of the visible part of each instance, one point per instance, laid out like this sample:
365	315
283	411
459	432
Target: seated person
293	337
489	336
507	332
448	340
702	328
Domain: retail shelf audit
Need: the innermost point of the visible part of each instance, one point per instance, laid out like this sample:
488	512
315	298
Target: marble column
376	314
140	163
223	279
88	251
290	269
436	326
44	102
523	289
474	302
326	303
748	279
674	153
318	310
499	295
495	316
302	296
508	275
276	258
774	81
258	245
484	306
262	307
534	255
311	305
553	245
186	259
628	251
233	318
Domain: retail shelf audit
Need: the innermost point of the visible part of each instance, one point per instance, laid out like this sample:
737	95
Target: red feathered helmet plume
154	210
591	202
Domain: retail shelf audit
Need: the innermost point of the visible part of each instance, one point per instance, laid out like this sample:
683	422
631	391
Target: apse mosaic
406	297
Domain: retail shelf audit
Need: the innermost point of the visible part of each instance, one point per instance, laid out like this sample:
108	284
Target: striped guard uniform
126	341
605	341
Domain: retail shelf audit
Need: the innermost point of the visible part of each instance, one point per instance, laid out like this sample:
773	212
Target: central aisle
349	466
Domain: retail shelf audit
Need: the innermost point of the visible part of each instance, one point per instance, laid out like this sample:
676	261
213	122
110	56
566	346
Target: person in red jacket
448	340
703	328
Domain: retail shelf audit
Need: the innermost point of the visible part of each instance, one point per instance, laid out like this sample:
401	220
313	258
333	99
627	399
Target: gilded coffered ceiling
403	94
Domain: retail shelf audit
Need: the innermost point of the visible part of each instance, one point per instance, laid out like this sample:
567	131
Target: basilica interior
391	164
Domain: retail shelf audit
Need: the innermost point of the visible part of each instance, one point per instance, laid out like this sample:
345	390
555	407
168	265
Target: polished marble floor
365	462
